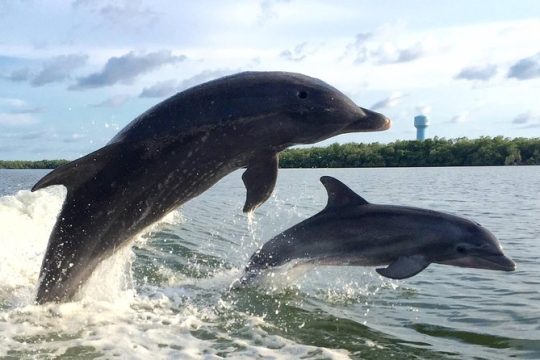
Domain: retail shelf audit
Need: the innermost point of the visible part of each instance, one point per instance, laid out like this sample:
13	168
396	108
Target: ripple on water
169	296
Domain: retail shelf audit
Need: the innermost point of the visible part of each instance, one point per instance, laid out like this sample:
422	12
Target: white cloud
13	103
296	54
204	76
388	102
18	106
27	110
58	68
22	74
460	118
423	109
358	47
55	69
120	13
482	72
26	134
113	101
391	54
267	9
73	138
522	118
527	120
384	45
14	120
169	87
124	69
526	68
35	135
160	89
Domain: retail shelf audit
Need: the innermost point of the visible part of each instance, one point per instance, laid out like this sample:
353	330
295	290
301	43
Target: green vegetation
41	164
485	151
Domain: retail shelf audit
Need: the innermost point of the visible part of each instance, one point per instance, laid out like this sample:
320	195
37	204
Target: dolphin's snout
500	262
489	262
387	124
369	121
378	120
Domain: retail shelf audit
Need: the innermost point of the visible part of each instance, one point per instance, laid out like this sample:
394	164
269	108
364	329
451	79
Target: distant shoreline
484	151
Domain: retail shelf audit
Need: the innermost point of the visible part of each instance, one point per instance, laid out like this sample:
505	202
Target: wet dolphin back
241	96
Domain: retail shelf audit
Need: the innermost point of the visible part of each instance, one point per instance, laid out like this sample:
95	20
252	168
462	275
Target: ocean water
168	295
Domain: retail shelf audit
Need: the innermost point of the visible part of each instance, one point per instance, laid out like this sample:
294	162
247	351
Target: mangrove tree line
485	151
25	164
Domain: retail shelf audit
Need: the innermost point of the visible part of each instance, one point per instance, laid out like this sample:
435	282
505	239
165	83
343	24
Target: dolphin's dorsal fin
340	194
77	171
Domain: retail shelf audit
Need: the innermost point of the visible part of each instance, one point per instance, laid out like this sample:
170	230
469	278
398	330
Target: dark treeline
23	164
485	151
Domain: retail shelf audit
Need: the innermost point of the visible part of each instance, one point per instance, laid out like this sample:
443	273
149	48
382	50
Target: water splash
26	219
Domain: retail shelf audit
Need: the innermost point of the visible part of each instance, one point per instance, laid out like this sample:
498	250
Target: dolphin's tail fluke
77	171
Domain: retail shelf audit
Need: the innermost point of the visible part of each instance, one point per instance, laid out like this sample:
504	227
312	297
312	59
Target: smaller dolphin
351	231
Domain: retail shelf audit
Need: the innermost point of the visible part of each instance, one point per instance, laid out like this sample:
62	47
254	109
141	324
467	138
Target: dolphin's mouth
490	262
372	121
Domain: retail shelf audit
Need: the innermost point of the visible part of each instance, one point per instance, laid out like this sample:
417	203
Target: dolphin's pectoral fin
404	267
78	170
260	179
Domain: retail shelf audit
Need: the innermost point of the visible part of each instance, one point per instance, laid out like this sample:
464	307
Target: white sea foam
26	219
110	317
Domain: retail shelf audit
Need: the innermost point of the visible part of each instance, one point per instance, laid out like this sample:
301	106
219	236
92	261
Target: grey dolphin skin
351	231
177	150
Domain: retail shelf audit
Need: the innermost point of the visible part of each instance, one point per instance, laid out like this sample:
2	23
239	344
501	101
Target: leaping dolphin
351	231
177	150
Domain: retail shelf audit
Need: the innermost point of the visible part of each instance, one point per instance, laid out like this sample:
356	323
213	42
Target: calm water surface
168	296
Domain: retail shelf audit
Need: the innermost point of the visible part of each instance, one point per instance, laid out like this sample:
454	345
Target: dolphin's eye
461	249
302	94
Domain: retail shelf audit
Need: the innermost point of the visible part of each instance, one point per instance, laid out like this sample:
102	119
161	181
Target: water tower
421	122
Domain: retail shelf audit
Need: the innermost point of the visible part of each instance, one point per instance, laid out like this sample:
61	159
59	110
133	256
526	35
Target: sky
73	73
